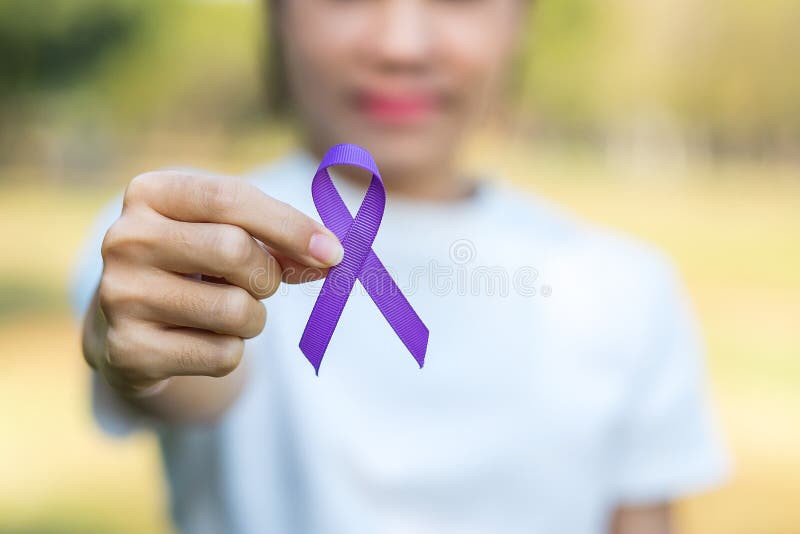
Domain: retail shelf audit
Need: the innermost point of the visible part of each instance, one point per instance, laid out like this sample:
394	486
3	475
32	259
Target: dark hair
276	87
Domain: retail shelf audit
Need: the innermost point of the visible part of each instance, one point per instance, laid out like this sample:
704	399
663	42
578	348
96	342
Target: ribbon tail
394	306
323	320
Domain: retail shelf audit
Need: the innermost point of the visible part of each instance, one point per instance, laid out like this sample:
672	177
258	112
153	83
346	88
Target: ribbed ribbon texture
359	262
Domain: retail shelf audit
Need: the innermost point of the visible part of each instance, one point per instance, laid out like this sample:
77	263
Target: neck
436	182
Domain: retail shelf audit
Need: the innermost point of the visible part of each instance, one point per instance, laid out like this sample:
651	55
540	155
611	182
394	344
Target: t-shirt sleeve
669	444
110	412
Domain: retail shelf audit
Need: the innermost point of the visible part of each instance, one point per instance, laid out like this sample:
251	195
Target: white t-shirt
564	376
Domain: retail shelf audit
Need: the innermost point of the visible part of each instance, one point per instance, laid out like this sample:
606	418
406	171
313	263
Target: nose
403	39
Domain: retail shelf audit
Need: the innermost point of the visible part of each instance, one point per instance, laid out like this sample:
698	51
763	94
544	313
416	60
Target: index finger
231	200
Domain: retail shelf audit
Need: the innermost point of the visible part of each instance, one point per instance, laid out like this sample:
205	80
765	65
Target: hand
161	318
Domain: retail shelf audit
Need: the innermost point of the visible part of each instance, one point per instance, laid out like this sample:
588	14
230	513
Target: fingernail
326	249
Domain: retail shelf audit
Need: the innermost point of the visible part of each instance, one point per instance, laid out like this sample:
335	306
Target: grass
733	230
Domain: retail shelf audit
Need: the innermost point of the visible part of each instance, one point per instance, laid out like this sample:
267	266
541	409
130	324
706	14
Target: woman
562	390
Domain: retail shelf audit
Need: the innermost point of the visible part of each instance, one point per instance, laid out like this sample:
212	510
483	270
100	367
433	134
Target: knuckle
220	195
271	282
190	360
238	309
126	237
183	300
232	246
127	359
114	240
229	356
114	293
265	281
140	188
272	286
120	354
257	318
261	319
178	236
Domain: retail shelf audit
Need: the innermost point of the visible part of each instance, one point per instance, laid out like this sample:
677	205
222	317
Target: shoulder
619	258
629	288
607	287
576	243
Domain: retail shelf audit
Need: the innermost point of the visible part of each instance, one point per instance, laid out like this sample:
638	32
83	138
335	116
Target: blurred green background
677	121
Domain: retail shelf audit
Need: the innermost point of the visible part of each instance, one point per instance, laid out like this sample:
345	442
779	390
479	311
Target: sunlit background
675	120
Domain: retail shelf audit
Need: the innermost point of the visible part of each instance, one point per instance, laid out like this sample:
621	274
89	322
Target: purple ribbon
359	261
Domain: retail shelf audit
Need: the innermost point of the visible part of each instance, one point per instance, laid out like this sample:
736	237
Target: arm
643	519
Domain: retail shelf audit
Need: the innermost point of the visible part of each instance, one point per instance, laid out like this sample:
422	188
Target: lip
396	109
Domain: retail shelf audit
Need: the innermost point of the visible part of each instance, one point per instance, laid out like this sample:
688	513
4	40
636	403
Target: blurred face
403	78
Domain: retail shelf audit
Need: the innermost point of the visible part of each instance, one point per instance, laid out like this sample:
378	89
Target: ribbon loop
359	262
